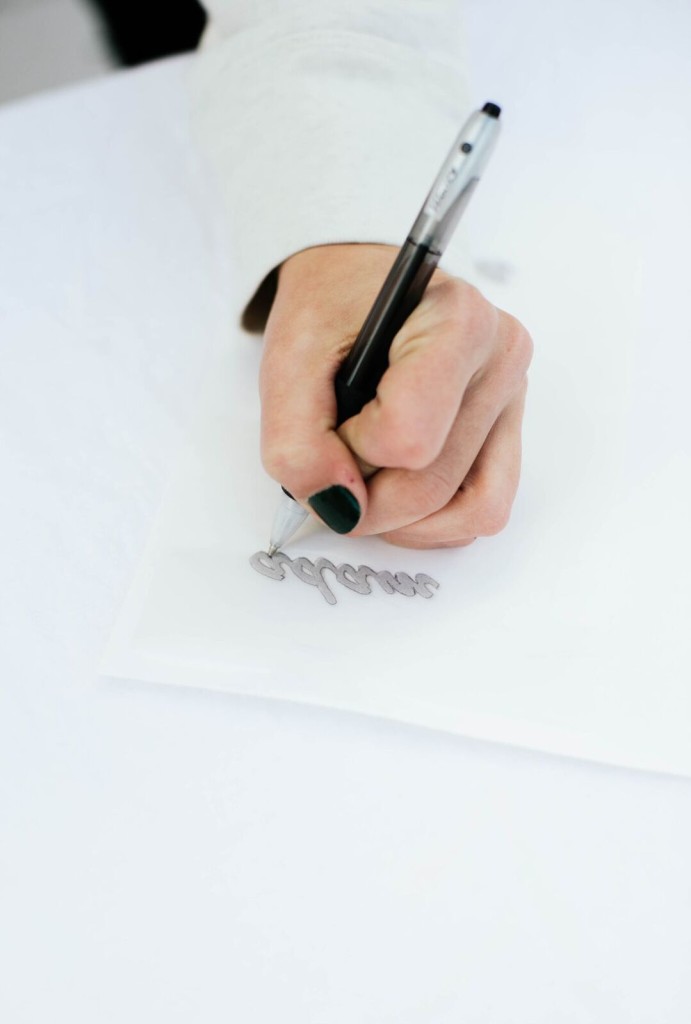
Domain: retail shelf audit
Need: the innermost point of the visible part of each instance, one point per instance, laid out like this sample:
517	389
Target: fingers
433	358
445	415
482	505
399	497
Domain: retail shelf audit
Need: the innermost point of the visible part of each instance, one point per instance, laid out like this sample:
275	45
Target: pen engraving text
274	566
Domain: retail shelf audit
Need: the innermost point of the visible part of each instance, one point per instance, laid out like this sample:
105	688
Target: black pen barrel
364	366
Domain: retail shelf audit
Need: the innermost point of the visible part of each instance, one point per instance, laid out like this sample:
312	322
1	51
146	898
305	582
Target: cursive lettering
358	580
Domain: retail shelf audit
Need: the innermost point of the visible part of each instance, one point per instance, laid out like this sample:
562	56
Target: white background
188	856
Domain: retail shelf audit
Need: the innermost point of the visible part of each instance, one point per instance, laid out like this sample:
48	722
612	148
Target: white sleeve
325	121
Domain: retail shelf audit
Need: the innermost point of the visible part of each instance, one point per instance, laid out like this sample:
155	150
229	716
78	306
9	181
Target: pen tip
273	548
492	109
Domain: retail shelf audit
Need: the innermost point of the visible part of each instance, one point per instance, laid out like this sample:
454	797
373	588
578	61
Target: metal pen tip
289	516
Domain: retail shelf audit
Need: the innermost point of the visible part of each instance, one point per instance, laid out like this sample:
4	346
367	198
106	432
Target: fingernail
337	507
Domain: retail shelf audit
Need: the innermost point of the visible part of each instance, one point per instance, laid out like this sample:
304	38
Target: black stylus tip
492	109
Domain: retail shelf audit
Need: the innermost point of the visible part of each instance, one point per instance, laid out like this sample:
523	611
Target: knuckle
463	297
415	452
273	461
519	346
280	459
478	315
403	446
435	490
493	514
403	538
468	310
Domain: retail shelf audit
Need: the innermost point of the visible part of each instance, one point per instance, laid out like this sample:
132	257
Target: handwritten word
274	566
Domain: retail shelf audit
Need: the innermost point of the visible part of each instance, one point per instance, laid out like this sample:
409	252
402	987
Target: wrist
318	255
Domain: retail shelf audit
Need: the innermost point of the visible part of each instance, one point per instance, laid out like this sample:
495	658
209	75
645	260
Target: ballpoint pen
364	366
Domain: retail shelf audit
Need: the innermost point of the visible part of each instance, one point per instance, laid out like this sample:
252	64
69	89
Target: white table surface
183	855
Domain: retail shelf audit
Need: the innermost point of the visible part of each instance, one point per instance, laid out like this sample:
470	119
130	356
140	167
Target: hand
445	425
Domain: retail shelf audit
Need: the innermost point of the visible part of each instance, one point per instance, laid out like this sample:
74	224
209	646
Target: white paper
566	633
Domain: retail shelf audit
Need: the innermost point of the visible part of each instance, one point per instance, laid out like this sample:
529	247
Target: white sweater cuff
319	137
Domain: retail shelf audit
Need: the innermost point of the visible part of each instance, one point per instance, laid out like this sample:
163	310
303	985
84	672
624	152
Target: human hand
445	426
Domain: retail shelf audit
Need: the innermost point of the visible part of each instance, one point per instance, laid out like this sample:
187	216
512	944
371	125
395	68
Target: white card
566	633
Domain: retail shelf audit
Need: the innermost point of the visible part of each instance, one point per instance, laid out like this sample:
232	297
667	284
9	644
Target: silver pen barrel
457	179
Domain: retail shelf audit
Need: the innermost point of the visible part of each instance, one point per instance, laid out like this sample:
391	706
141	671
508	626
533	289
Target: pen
359	375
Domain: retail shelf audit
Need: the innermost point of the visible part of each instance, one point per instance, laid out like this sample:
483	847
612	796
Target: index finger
432	360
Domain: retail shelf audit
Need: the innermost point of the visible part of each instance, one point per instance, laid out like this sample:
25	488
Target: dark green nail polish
337	507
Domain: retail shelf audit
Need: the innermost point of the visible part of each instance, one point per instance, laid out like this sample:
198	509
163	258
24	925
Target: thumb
299	444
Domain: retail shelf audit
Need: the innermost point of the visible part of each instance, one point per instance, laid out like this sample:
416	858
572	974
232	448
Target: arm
325	122
308	111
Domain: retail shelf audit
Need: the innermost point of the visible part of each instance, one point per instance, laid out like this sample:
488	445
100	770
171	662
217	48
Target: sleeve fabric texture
324	121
